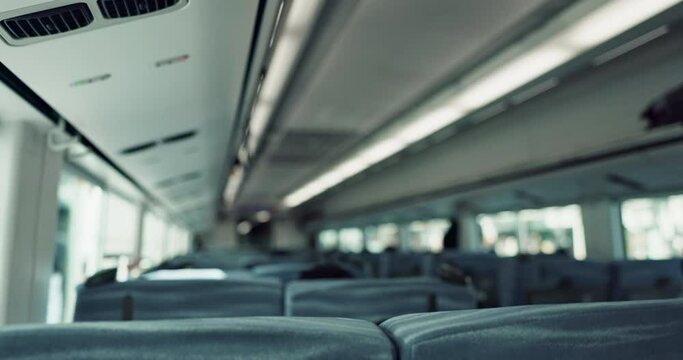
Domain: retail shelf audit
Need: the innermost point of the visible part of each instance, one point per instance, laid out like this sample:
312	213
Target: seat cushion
620	330
237	338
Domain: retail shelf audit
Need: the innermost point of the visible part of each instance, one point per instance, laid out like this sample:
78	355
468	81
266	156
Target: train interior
366	179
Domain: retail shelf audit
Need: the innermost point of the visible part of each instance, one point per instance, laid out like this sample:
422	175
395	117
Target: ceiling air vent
179	137
48	22
139	147
115	9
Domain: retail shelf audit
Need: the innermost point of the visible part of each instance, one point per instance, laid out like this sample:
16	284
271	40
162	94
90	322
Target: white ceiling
380	57
14	108
140	103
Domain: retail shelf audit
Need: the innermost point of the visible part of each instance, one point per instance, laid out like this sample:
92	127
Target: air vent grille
114	9
139	147
172	139
179	137
48	22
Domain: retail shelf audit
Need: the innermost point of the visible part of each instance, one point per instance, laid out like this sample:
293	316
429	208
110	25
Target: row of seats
499	281
549	279
234	260
368	299
623	330
537	279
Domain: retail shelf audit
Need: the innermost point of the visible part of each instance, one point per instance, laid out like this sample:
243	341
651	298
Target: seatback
647	279
217	260
563	280
392	265
482	268
373	299
237	338
618	330
175	299
365	264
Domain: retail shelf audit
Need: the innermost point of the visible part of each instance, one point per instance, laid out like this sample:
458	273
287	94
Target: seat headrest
619	330
253	338
172	299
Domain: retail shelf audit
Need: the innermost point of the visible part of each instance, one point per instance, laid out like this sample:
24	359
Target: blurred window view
653	227
552	230
178	241
77	244
351	240
415	236
96	230
154	233
427	235
327	240
120	231
382	237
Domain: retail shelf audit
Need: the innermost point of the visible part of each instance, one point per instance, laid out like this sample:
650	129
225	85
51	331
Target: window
327	240
500	233
120	231
379	238
178	242
372	242
154	236
97	230
351	240
534	231
653	227
77	252
427	235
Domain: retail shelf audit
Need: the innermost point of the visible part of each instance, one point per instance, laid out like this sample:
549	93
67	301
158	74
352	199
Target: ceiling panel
383	57
140	102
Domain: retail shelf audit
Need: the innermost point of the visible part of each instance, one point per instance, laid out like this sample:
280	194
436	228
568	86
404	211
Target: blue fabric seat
397	264
617	330
237	338
551	279
563	280
647	279
483	268
175	299
373	299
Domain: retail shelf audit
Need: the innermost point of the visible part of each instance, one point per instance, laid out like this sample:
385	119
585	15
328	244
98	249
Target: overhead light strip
234	181
499	78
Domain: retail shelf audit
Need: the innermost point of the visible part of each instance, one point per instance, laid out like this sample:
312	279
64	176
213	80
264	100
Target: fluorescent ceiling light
429	124
329	180
380	151
603	23
234	181
349	168
513	75
612	19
